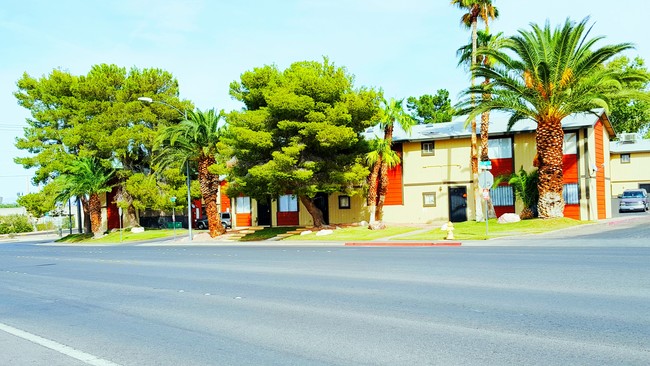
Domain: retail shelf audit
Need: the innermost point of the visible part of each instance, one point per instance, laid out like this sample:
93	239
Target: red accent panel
501	167
572	211
395	192
500	210
288	218
244	219
570	168
112	211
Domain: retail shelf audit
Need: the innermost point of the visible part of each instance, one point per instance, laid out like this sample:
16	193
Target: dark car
633	200
226	221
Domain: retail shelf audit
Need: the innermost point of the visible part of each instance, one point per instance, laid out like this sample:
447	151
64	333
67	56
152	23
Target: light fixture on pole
189	196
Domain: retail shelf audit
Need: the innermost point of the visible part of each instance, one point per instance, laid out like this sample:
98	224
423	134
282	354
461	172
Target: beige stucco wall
629	175
432	173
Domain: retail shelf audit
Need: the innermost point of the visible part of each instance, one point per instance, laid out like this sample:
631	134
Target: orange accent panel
225	201
244	219
395	192
570	168
288	218
600	173
572	211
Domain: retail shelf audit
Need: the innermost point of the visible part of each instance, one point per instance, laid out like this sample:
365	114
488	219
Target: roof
498	126
619	147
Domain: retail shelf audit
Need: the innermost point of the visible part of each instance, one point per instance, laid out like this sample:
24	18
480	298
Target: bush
14	224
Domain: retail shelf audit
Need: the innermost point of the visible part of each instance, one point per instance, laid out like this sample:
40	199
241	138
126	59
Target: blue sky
405	47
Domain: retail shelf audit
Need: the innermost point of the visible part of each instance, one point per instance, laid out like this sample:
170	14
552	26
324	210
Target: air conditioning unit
628	137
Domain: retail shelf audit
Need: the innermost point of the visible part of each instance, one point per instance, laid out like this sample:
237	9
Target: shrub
14	224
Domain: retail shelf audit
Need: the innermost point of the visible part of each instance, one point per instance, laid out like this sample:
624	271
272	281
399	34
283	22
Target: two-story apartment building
630	159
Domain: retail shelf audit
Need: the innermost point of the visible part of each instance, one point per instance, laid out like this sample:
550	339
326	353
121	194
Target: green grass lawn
360	233
472	230
127	236
266	233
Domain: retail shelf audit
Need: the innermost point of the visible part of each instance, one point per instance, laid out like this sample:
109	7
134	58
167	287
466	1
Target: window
570	144
502	196
344	202
429	199
428	148
500	148
243	204
288	203
571	194
625	158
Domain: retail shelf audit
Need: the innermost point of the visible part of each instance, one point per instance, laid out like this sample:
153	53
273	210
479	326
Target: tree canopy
299	132
631	114
429	108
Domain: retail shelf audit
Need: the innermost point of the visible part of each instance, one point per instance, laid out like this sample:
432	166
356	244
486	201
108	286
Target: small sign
173	199
486	165
486	194
485	179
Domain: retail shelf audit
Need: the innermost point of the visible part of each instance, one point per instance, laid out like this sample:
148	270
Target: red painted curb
398	244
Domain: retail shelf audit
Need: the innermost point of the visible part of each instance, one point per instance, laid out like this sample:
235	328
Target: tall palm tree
485	10
485	42
553	73
393	113
195	140
86	177
380	152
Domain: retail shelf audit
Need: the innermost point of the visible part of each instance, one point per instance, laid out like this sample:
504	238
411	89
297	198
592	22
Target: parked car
633	200
226	221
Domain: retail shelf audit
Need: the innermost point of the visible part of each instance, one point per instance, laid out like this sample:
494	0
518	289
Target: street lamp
189	198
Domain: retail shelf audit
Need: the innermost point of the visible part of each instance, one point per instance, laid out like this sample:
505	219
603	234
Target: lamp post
189	197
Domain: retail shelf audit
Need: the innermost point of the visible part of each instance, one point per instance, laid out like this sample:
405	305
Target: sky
406	48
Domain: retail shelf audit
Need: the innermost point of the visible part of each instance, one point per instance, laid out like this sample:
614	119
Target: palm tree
195	140
392	113
524	185
553	73
486	42
485	10
87	177
380	151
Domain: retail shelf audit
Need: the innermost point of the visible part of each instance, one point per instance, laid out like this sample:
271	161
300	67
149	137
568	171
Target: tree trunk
373	181
86	213
210	190
315	212
478	214
131	218
485	125
550	151
95	206
382	190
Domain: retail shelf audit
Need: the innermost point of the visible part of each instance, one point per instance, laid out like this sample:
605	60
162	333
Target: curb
398	244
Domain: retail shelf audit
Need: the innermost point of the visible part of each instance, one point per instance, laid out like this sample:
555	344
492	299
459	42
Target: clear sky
406	47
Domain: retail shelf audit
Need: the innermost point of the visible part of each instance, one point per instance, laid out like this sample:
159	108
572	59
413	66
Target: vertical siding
600	173
395	193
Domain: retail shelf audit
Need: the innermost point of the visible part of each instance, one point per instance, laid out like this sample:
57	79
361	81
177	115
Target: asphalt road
567	299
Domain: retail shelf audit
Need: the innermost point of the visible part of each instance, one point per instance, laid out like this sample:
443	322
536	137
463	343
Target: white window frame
500	148
288	203
429	199
243	204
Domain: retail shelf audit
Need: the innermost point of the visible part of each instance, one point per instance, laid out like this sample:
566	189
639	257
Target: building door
264	212
321	202
458	204
644	186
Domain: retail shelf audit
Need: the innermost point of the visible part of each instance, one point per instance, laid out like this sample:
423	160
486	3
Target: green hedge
14	224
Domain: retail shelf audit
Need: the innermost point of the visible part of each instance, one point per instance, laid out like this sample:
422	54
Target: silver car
633	200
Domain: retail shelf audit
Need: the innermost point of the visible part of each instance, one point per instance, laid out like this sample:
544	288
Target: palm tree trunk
86	213
315	212
95	207
382	190
131	218
550	150
210	190
478	212
373	188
